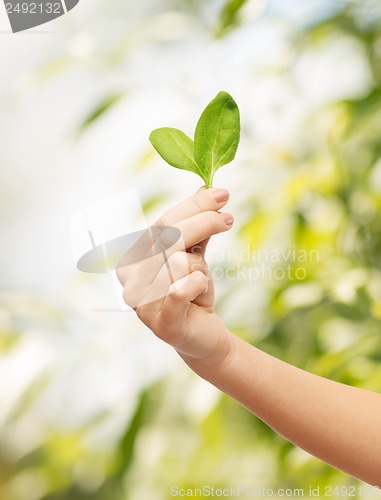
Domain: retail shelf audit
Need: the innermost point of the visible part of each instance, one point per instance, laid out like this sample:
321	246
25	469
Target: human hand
172	291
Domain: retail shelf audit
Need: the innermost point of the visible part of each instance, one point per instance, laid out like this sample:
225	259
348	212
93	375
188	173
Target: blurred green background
92	406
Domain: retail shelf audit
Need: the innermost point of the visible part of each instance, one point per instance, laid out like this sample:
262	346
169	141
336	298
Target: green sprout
215	144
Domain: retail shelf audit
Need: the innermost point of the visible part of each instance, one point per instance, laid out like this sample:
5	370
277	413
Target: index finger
204	200
192	230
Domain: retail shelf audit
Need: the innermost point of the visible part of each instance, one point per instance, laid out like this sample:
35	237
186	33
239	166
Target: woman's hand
172	292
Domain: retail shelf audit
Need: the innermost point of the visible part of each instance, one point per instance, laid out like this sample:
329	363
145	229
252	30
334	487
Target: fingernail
229	220
220	195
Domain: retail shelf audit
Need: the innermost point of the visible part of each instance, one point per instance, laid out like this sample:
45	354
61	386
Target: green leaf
217	135
175	148
216	140
229	15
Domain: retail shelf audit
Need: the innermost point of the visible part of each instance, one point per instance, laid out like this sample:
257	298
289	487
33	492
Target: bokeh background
91	404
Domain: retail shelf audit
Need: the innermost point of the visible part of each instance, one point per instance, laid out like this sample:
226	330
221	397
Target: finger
137	295
193	230
206	299
177	302
145	247
202	201
179	265
200	227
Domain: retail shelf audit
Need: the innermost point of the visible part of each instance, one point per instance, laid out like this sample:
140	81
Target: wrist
210	366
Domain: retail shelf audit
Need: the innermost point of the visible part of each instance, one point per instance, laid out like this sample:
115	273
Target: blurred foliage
105	105
229	15
326	322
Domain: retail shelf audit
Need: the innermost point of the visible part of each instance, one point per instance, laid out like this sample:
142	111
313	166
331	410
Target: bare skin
338	424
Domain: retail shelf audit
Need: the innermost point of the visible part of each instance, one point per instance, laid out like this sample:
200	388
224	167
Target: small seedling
215	144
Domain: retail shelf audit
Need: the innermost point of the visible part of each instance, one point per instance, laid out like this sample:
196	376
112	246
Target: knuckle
204	268
199	264
166	238
167	219
177	294
124	271
198	201
199	275
132	296
213	220
124	274
205	200
177	260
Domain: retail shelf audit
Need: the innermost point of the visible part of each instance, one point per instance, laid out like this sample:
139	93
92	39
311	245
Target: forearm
337	423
